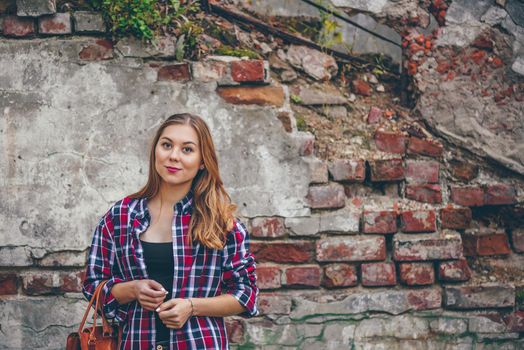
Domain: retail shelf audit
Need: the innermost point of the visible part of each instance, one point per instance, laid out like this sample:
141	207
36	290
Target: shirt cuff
246	298
112	308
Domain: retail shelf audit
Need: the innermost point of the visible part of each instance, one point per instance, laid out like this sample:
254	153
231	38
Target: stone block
174	72
500	194
455	218
100	50
400	327
133	47
449	326
302	276
250	71
454	271
8	283
209	70
35	8
387	170
88	22
417	274
313	95
17	26
390	142
515	321
329	196
482	296
470	196
422	171
490	323
517	238
268	227
389	300
339	275
235	330
428	193
356	248
268	276
378	274
314	63
442	245
340	221
418	221
425	147
382	222
252	95
57	24
306	143
283	252
274	304
318	170
305	226
348	170
15	256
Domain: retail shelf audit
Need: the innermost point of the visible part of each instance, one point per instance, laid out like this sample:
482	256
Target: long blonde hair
213	212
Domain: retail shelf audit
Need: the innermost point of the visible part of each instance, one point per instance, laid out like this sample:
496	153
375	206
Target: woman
176	259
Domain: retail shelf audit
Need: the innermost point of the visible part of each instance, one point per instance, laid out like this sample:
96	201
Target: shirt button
159	347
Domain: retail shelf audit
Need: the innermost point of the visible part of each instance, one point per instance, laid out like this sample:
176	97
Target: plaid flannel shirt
116	255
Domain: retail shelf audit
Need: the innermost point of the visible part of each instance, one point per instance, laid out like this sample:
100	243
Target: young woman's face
178	156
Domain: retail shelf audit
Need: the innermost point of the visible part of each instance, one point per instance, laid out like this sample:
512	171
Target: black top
158	258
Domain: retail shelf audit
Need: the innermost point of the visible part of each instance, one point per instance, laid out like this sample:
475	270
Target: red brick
442	245
515	321
100	50
424	193
285	119
52	282
425	147
59	23
374	115
235	330
360	87
8	283
268	277
454	271
348	170
303	276
493	244
283	252
274	304
18	26
422	171
465	171
378	274
500	194
418	221
252	95
469	196
340	275
455	218
269	227
424	299
72	282
417	274
387	170
379	222
354	248
248	71
390	142
175	72
307	145
326	196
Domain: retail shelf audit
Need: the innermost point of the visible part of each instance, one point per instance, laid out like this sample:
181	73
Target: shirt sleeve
101	267
239	276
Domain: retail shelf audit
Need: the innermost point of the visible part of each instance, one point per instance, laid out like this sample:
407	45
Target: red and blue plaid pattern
116	255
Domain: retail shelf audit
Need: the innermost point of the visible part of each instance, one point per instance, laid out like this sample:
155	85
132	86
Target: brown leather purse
105	337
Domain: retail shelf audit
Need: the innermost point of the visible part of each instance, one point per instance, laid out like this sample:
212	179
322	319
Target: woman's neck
169	195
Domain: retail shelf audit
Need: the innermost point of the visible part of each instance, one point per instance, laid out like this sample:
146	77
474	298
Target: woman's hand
175	312
149	293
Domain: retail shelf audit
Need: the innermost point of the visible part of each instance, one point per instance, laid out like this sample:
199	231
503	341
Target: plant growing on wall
146	19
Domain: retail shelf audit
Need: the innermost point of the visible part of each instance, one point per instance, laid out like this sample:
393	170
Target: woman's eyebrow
184	143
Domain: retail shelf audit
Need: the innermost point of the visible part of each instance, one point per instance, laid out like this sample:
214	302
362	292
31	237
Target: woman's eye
187	149
166	145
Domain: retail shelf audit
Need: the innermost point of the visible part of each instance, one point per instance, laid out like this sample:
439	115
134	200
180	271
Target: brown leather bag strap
93	298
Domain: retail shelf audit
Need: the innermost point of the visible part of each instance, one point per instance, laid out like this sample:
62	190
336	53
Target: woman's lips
172	169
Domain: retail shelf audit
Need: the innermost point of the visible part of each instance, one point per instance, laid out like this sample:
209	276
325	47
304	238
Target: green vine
145	19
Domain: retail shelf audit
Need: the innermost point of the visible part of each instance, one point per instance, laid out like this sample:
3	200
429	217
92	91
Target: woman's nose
174	155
